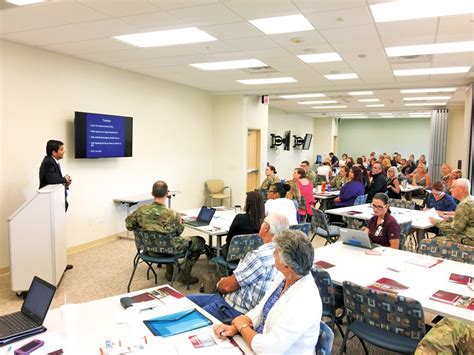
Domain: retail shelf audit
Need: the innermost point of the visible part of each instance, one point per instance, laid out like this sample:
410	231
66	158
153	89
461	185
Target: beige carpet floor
104	271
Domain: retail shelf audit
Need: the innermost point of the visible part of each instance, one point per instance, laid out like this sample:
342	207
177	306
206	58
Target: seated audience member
351	189
459	228
158	218
340	179
310	175
286	320
325	170
248	222
393	185
383	229
350	162
242	291
371	164
448	336
439	200
421	160
343	159
278	203
378	182
334	160
386	165
306	190
271	178
364	163
421	178
455	174
445	172
407	167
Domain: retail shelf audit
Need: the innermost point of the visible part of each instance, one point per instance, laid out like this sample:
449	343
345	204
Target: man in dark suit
50	171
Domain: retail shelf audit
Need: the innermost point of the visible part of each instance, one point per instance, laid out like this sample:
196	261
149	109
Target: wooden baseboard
75	249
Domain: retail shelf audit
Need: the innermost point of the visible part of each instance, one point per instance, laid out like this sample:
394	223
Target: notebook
29	320
356	238
204	217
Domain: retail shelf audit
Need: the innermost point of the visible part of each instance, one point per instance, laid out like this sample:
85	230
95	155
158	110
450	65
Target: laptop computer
204	217
29	320
356	238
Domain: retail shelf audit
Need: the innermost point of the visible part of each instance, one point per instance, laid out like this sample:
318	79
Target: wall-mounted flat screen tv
307	141
98	135
286	140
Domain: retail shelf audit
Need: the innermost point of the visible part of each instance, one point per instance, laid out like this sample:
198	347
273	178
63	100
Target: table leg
350	222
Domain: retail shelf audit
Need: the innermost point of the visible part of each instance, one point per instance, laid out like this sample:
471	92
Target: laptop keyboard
18	322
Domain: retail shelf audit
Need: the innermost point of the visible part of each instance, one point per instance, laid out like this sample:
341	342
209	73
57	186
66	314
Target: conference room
212	90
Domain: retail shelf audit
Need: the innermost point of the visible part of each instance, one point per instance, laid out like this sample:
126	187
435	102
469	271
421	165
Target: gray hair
394	169
278	222
295	250
464	183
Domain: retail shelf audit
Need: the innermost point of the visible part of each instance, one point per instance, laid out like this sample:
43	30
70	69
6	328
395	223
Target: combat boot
185	276
169	272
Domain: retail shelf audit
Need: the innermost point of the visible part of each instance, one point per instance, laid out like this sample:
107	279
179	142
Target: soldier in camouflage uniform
310	174
271	178
460	228
449	336
158	218
341	178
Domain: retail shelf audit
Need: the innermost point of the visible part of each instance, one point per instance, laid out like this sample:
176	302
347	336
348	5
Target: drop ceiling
85	28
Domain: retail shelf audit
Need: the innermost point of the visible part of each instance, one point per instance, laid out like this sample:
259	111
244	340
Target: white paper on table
432	213
208	343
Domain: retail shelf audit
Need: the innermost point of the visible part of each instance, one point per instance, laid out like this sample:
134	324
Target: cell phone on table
28	348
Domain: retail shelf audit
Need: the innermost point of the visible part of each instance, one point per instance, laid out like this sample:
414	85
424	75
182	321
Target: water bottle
328	188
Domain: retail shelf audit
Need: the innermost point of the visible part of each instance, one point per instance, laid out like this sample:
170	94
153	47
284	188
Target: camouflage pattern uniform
459	229
268	181
159	218
311	176
449	336
337	181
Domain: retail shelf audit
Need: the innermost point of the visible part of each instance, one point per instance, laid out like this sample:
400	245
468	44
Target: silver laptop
356	238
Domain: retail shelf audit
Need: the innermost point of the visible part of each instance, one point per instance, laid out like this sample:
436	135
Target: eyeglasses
378	207
271	191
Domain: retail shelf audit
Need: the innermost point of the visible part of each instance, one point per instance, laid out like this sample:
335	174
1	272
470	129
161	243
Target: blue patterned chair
239	246
360	200
391	322
303	227
320	227
395	202
325	340
408	240
156	248
327	293
447	250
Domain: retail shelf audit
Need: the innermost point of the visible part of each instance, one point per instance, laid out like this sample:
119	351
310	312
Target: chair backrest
240	245
447	250
395	202
360	200
156	242
304	227
215	185
406	242
393	313
325	340
319	159
320	179
319	220
326	290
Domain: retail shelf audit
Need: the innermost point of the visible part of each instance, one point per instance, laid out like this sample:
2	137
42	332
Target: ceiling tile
89	46
449	60
118	8
455	29
232	30
251	44
340	18
373	67
251	10
325	5
405	33
305	38
205	15
177	4
352	38
154	21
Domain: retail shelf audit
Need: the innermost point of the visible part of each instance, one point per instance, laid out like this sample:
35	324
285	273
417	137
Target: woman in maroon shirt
383	229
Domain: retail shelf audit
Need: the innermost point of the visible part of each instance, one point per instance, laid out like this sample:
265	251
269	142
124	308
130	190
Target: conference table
419	219
88	328
325	197
355	265
219	226
408	189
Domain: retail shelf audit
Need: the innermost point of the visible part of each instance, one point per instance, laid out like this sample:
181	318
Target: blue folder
177	323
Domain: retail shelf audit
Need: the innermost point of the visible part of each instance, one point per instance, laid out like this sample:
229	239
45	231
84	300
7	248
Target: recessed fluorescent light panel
282	24
335	106
368	100
361	93
230	64
167	38
341	76
320	58
427	104
426	98
414	9
317	102
438	48
282	80
301	96
376	105
422	91
23	2
431	71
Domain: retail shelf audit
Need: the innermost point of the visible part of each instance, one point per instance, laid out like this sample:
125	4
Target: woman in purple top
383	229
352	189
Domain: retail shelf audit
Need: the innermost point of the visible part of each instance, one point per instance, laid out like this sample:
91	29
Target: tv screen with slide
307	141
99	135
286	140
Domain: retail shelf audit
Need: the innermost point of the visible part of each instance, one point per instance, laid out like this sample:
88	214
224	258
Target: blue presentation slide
105	136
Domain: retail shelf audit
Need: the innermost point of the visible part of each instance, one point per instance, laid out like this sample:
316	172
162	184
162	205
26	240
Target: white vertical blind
438	140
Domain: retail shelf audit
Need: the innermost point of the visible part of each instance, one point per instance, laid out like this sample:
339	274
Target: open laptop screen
38	299
206	214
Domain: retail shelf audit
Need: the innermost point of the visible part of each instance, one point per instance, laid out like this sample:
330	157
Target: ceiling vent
260	70
411	59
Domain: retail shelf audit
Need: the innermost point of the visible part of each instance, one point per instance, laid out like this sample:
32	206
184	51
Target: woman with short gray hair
393	184
270	327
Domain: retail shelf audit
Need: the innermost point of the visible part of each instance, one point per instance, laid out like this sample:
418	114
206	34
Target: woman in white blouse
287	318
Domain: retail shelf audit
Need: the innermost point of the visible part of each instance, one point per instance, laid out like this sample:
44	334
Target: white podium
37	236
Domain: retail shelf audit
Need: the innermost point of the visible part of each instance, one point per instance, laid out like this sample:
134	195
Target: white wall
40	92
358	137
285	161
324	131
454	146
